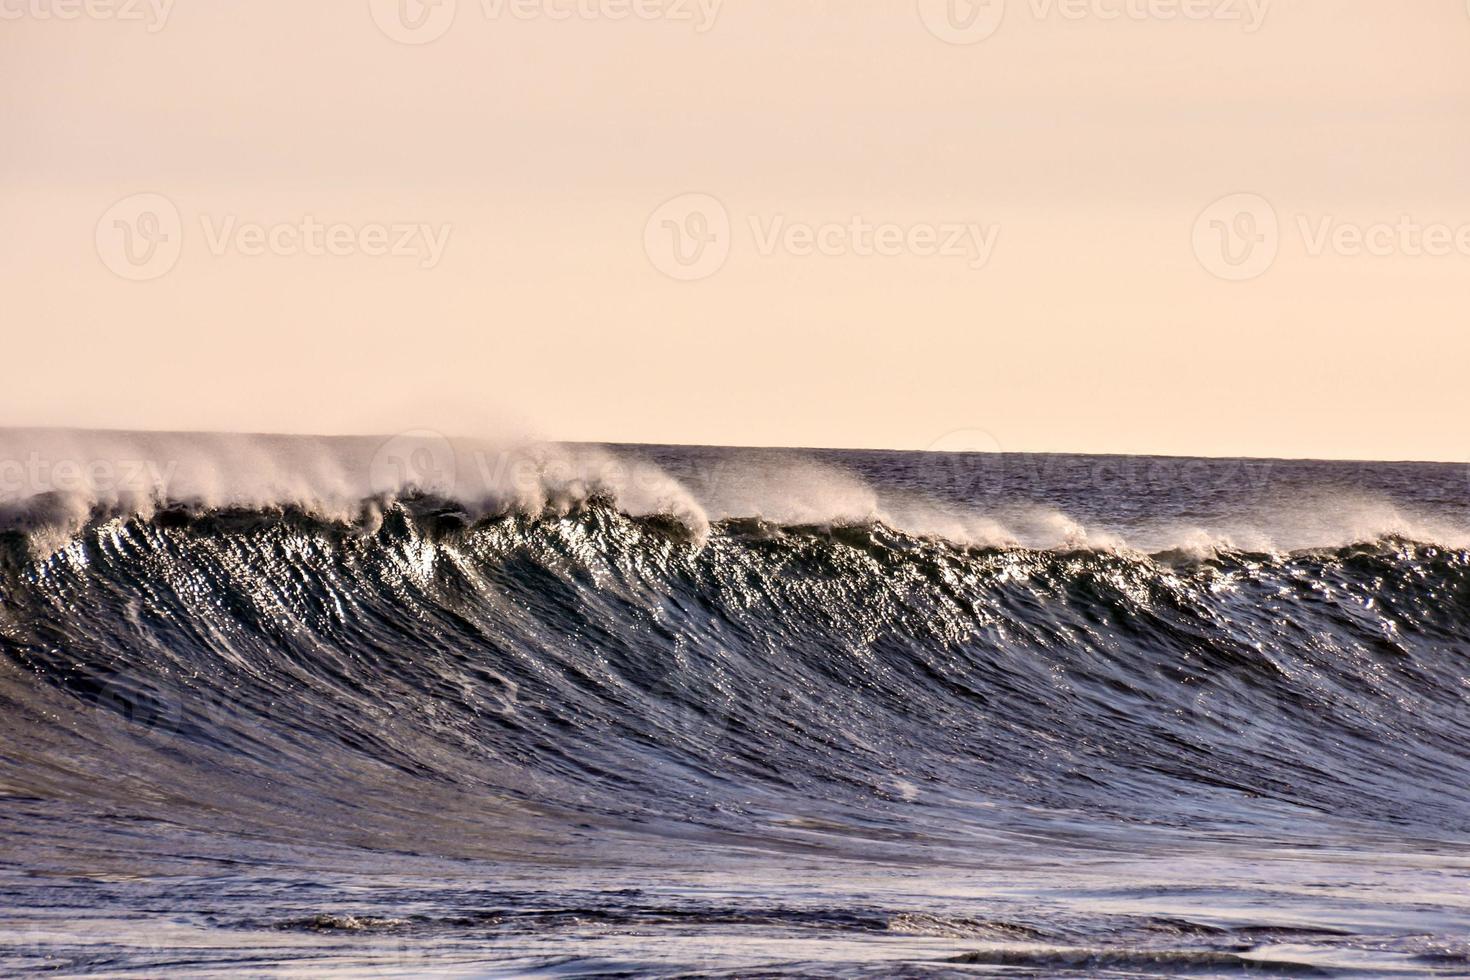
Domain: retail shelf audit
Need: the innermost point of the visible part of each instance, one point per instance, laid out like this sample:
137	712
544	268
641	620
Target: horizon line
747	446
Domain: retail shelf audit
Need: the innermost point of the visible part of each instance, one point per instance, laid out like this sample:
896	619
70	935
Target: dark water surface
807	713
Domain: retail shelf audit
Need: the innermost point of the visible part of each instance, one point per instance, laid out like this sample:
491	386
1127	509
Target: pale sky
519	159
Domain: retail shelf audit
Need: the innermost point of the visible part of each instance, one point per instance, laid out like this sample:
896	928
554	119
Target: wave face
904	661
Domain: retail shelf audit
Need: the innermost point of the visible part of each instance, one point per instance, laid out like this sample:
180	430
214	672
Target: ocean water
354	707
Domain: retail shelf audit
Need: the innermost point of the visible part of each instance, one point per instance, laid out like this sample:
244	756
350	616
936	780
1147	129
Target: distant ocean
414	706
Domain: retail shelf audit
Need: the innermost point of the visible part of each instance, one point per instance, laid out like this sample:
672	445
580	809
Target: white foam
53	481
58	479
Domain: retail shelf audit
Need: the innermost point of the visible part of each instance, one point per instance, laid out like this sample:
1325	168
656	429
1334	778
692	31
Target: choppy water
716	712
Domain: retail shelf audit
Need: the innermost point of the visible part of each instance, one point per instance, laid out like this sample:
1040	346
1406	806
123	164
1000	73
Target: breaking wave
454	681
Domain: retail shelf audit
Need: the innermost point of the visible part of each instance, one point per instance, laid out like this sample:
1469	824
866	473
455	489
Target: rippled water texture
737	713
